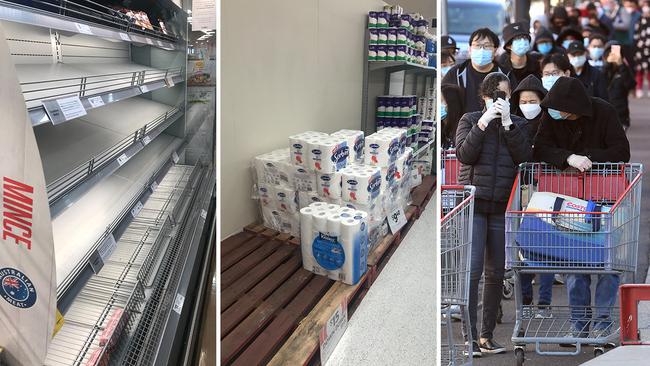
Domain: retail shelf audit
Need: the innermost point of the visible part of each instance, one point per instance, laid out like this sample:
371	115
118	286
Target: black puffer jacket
594	81
490	158
597	134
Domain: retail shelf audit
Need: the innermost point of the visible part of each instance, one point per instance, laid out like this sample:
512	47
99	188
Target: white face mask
530	111
577	61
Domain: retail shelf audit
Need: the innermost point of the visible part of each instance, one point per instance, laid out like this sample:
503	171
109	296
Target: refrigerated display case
131	210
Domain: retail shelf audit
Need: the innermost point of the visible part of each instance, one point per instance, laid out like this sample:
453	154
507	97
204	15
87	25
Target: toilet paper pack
329	185
361	184
381	149
334	242
329	154
285	199
307	198
299	146
303	179
356	143
273	168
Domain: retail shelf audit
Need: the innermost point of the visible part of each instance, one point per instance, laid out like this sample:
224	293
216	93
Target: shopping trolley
603	241
450	167
455	253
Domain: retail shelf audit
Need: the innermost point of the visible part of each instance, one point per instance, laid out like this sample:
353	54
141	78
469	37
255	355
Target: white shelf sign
169	81
178	303
396	220
71	107
204	15
146	140
122	159
96	102
153	186
175	157
82	28
332	331
144	89
125	37
135	211
107	247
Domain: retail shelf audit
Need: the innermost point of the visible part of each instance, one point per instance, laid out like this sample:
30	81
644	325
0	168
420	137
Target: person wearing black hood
575	131
620	80
490	144
526	101
559	19
591	78
451	110
483	46
518	56
568	35
545	43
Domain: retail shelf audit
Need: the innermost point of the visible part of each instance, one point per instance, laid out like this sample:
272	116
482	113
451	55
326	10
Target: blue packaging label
374	184
391	174
393	149
328	252
340	155
358	147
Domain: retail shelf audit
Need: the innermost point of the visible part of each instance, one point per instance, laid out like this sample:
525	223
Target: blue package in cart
547	244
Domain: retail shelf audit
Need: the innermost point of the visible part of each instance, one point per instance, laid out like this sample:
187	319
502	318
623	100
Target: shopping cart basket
455	253
450	167
602	241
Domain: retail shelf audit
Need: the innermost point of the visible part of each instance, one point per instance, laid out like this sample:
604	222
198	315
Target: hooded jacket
490	158
532	66
568	31
530	83
596	134
558	12
594	81
457	75
543	33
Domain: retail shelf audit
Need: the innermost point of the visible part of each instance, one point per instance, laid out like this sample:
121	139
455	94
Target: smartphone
616	49
498	94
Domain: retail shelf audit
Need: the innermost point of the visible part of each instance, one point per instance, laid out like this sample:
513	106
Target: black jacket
532	66
530	83
457	75
490	158
620	82
594	81
597	134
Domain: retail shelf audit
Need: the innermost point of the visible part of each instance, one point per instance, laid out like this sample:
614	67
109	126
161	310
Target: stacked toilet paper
356	143
334	241
384	147
274	168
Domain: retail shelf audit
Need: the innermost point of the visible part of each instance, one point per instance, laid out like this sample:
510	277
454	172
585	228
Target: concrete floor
395	324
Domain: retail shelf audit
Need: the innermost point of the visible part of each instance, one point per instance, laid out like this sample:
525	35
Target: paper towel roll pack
334	241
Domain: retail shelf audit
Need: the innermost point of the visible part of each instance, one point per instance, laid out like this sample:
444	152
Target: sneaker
490	346
571	334
558	280
639	93
544	312
476	350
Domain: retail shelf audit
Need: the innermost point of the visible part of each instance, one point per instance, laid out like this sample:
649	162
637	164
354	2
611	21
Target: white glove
503	107
487	117
579	162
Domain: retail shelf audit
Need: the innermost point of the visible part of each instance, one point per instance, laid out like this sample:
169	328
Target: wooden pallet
272	310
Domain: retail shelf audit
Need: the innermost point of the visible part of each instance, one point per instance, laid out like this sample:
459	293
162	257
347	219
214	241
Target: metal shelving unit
122	201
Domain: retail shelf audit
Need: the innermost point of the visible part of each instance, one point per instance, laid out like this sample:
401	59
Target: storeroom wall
287	66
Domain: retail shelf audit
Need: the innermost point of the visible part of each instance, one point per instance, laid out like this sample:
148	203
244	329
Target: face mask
530	111
566	43
595	53
444	70
577	61
548	81
488	103
520	46
545	48
555	114
585	41
481	57
584	21
443	111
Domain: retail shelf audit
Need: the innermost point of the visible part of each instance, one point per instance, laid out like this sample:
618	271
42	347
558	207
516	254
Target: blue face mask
549	81
444	70
595	53
520	46
585	41
481	57
555	114
443	111
545	48
566	43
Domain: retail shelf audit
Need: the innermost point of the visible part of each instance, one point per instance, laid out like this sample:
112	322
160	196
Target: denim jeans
579	290
488	252
545	288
